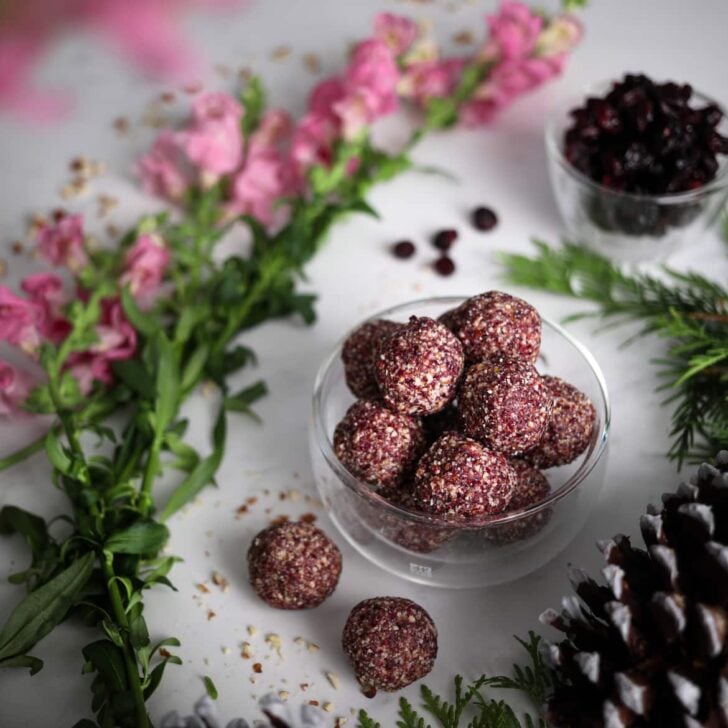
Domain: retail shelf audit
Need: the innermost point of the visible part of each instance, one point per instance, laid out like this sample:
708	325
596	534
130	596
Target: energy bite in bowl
569	429
391	642
418	367
379	446
496	323
459	476
505	404
293	565
358	353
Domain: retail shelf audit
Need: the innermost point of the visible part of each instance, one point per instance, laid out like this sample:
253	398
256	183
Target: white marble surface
503	166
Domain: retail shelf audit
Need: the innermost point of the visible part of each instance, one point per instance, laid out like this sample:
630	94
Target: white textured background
504	167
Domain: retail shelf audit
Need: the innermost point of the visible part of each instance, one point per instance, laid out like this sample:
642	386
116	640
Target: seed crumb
299	641
312	647
246	651
328	707
280	53
252	631
274	642
203	588
210	615
219	580
333	679
283	694
303	686
257	667
341	721
315	703
308	518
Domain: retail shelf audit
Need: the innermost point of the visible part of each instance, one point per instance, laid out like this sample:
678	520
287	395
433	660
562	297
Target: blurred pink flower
397	31
424	80
324	95
560	36
15	385
19	321
162	169
62	243
478	112
373	69
117	340
145	265
145	31
213	141
46	290
514	30
275	128
513	78
313	140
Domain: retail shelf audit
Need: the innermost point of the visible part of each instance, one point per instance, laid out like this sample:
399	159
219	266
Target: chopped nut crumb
223	70
299	641
315	703
283	694
219	580
244	74
106	203
246	651
341	721
257	667
328	707
308	518
303	686
252	631
463	37
225	650
278	520
168	97
241	511
17	247
192	88
333	679
210	615
203	588
121	125
294	495
280	53
312	647
274	642
311	62
112	230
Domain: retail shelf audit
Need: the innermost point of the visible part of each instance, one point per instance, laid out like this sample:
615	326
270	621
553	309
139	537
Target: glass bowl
447	551
622	226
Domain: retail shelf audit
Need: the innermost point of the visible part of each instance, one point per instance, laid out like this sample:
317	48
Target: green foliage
210	688
571	5
688	310
470	708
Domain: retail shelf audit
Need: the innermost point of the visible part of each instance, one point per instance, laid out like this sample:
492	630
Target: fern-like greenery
688	310
470	707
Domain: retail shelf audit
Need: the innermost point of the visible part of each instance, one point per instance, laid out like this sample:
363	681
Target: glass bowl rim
555	152
325	444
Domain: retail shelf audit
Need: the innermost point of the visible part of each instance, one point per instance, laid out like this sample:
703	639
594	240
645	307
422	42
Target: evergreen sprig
470	708
688	310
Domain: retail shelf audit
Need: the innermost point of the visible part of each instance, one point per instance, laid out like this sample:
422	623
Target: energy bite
358	352
570	427
418	367
495	323
505	404
421	538
293	565
376	445
531	488
391	642
459	476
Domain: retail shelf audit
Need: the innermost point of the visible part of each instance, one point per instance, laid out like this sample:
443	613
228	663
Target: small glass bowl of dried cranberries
639	168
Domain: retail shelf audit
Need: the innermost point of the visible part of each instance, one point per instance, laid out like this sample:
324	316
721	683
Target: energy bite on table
459	476
496	323
379	446
293	565
418	367
358	352
391	642
505	404
569	429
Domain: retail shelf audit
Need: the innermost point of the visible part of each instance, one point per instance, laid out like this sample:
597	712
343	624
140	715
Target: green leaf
210	687
138	632
155	676
364	721
361	205
241	401
136	376
142	322
194	367
142	537
85	723
44	608
408	717
33	663
253	101
203	473
108	660
57	454
167	384
32	527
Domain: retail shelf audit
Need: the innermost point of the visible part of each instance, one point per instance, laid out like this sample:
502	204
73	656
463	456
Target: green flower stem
130	662
150	473
23	454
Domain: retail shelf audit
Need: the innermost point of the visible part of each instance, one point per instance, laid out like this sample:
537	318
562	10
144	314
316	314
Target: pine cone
649	649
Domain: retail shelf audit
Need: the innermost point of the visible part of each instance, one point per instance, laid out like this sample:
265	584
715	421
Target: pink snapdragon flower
313	140
117	340
145	264
324	96
397	31
514	30
213	141
162	169
424	80
47	291
19	321
373	69
62	243
15	385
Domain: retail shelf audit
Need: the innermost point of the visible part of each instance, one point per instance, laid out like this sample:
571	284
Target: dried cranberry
445	266
444	239
484	219
403	249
